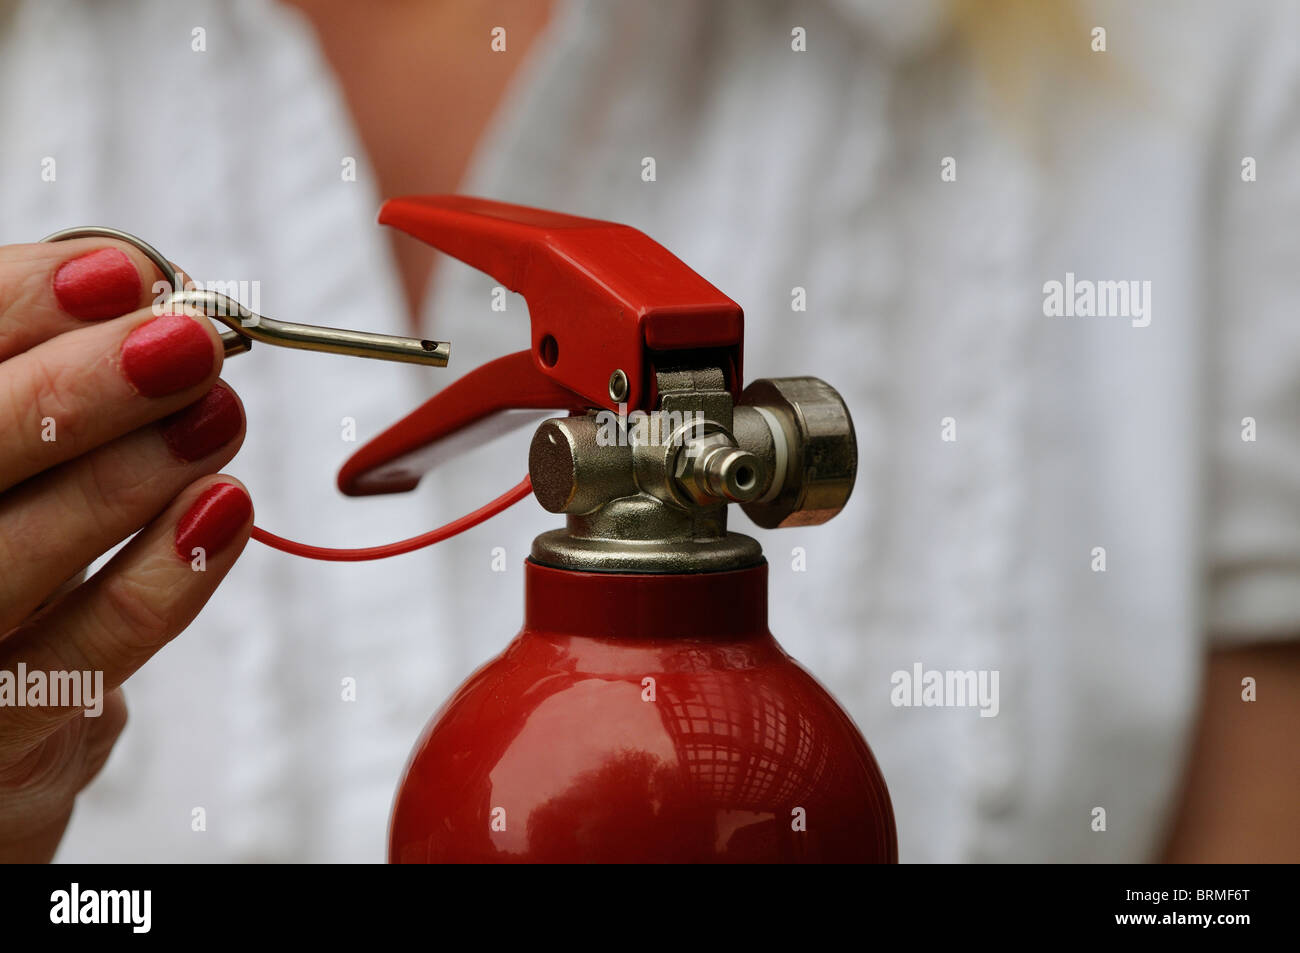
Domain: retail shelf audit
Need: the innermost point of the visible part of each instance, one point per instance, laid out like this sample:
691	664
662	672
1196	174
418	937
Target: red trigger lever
607	306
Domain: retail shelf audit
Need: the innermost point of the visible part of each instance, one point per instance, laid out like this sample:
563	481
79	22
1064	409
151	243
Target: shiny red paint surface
643	718
601	297
607	295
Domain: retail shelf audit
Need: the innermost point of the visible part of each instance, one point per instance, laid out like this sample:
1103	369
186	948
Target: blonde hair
1021	47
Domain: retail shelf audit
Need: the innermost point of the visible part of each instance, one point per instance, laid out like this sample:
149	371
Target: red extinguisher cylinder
643	718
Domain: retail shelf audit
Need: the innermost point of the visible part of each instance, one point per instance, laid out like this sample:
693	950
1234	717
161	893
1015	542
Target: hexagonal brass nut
821	459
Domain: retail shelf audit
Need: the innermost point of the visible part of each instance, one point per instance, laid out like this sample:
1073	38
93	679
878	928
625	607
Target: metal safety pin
247	327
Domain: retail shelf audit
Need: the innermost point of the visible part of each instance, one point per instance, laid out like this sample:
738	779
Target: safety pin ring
246	326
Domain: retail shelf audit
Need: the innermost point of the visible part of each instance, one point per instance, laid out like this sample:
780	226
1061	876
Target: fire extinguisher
644	712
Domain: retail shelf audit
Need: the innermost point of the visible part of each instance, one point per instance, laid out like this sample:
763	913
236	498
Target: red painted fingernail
204	427
99	284
167	354
214	519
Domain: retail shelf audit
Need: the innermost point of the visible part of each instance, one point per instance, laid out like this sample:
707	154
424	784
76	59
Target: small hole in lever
548	350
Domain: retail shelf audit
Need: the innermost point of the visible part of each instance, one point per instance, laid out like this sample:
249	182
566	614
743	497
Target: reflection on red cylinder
642	718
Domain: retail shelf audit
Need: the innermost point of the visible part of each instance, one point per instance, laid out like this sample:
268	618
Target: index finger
47	288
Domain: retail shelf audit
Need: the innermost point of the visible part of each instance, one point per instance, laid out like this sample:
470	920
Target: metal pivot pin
246	326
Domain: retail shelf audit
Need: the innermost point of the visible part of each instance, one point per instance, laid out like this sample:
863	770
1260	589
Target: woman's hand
112	420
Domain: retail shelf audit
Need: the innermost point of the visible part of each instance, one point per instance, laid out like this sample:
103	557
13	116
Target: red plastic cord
502	502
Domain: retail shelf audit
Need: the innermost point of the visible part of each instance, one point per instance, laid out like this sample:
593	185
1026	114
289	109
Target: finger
47	288
40	786
100	737
82	389
146	595
72	582
35	845
54	526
